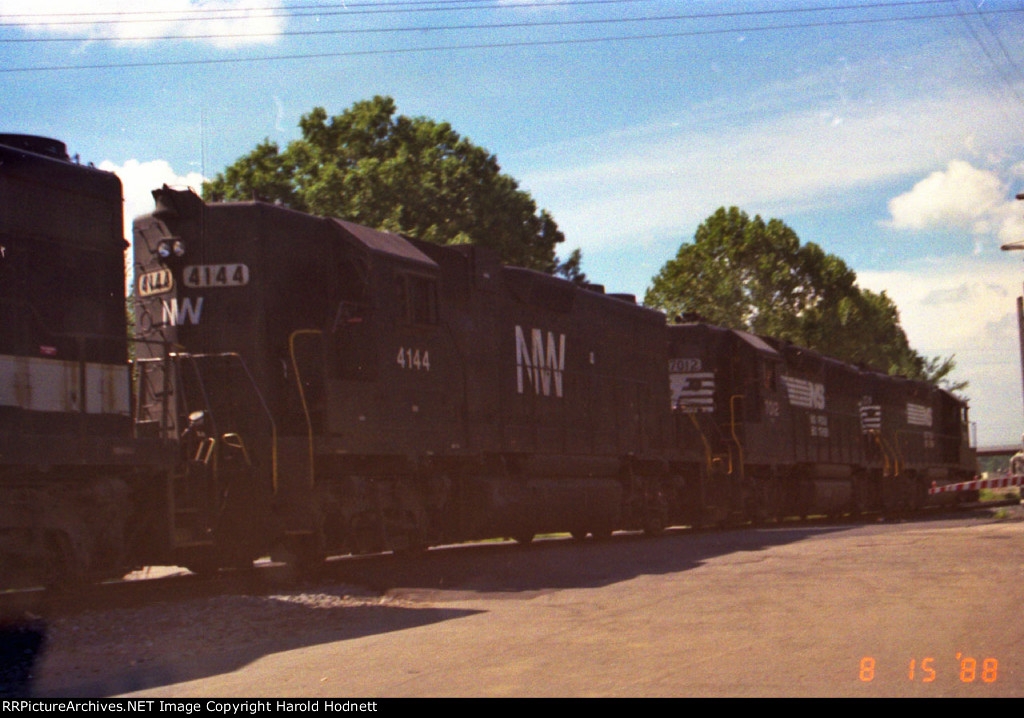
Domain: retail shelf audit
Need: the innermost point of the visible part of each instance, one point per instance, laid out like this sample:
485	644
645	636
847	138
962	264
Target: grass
999	494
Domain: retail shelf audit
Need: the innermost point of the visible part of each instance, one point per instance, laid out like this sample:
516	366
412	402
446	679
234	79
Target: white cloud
966	308
963	197
139	179
660	179
126	20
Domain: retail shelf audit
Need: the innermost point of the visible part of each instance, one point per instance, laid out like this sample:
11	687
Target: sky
889	133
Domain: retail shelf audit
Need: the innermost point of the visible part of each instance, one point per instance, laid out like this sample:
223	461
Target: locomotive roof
41	157
755	342
186	201
385	242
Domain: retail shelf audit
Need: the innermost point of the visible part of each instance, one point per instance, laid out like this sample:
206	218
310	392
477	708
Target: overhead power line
380	8
200	15
474	26
1010	84
495	45
317	6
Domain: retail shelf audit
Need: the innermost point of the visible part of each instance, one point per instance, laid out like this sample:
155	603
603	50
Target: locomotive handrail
226	438
703	439
302	395
205	451
136	361
259	395
897	452
938	439
877	436
732	430
893	452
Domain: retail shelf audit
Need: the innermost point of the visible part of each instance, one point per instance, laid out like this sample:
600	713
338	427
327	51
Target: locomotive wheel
858	499
305	555
766	503
919	494
203	561
203	567
63	571
654	523
655	509
415	545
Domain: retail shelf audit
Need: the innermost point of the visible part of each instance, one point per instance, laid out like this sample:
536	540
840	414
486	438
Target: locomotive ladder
218	393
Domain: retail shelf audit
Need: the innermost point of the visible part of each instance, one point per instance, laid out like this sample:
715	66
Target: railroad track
374	572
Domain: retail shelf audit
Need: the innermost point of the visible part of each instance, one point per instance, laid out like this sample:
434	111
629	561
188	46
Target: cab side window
417	299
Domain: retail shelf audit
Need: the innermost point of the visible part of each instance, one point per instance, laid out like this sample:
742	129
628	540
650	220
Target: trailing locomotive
775	430
305	386
76	489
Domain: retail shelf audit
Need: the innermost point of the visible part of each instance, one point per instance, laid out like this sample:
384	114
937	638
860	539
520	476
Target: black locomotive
390	394
76	488
769	430
305	386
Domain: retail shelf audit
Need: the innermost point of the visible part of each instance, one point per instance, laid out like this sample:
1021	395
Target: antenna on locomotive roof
202	140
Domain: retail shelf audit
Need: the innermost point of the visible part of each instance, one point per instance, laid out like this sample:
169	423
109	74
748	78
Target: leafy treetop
409	175
754	275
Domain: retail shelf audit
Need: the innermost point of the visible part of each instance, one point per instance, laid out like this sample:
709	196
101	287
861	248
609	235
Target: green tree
409	175
754	275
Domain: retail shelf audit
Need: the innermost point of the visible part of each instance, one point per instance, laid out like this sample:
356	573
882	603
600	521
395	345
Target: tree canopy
754	275
409	175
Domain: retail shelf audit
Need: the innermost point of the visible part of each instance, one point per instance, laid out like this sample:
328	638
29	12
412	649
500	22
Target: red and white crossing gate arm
1001	482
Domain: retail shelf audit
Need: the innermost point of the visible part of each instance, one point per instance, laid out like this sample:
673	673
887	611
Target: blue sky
895	143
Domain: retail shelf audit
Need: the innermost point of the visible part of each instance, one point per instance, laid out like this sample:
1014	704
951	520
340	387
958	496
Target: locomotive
304	386
77	489
387	394
773	430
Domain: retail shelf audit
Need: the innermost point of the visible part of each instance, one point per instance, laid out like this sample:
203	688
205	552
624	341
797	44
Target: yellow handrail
732	429
703	438
302	395
226	438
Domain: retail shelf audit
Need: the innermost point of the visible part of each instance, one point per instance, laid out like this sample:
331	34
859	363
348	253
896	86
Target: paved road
826	610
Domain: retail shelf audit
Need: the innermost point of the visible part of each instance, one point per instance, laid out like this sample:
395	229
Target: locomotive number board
201	276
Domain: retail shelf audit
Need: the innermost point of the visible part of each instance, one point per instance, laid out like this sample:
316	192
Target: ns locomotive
306	386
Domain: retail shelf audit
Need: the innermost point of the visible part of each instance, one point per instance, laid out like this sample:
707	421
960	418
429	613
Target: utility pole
1020	309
